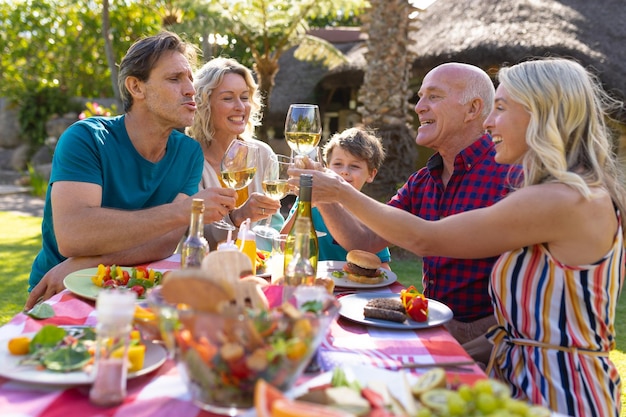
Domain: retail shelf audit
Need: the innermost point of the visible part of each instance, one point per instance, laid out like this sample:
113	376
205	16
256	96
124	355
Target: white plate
11	369
352	308
326	268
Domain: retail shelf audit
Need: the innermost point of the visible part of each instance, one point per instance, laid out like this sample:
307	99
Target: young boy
356	154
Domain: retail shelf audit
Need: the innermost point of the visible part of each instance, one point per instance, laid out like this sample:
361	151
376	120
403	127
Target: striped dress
556	329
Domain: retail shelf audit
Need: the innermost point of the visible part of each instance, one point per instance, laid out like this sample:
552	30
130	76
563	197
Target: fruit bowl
221	356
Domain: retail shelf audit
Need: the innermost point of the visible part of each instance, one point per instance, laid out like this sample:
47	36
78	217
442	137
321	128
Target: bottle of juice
246	242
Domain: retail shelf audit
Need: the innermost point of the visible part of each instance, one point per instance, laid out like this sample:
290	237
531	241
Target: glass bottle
299	271
195	247
114	312
303	210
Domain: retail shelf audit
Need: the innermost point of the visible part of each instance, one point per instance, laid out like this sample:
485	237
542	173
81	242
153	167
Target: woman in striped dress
561	270
555	298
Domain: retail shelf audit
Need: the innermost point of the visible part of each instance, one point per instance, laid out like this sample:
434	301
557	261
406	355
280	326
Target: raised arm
552	214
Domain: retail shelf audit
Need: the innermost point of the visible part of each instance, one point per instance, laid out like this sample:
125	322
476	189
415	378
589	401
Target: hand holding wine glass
238	167
313	159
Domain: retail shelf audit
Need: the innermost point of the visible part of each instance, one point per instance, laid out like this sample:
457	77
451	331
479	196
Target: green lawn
20	240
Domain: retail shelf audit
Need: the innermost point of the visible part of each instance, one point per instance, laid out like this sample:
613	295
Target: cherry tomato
239	369
418	309
139	290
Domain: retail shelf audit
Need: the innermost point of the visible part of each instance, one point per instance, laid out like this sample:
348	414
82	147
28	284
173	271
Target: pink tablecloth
163	393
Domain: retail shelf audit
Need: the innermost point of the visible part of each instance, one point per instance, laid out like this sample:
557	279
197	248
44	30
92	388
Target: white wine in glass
276	186
275	189
238	179
238	167
303	127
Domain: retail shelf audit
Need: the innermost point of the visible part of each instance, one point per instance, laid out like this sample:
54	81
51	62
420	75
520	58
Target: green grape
486	403
516	406
424	412
457	406
482	386
502	413
465	391
500	389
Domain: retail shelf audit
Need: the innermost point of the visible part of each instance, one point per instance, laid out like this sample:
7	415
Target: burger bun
363	267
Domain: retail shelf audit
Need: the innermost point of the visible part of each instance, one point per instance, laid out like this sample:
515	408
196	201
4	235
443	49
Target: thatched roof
492	33
297	81
486	33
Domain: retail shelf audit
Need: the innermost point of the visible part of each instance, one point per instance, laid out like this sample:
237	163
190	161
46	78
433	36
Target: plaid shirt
477	181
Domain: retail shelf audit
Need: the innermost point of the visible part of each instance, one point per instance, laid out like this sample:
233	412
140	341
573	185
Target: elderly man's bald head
470	80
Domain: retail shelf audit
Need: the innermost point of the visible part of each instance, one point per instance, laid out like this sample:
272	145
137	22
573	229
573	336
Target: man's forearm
97	231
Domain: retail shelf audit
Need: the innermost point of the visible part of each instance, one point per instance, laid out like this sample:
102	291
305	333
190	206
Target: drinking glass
277	259
275	186
303	127
238	167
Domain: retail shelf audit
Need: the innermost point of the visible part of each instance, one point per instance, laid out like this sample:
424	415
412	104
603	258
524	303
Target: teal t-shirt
98	150
329	249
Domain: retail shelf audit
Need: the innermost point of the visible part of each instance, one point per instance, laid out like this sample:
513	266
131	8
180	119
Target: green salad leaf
61	349
48	336
67	358
340	379
41	311
313	306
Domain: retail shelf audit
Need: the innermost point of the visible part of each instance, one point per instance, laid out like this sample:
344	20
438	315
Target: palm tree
384	95
271	27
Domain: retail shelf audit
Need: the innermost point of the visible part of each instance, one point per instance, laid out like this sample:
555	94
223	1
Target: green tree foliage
53	50
269	28
60	44
36	107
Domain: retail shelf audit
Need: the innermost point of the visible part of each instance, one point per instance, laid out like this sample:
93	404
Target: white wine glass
303	128
276	186
238	168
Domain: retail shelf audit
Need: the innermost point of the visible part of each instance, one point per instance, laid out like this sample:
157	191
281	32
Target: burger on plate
363	267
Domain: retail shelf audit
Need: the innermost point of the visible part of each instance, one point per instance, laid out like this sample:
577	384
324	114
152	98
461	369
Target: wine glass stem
224	225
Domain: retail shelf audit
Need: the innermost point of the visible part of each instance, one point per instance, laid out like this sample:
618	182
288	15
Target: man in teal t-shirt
128	181
120	187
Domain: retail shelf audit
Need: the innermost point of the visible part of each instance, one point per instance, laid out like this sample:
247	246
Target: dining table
162	392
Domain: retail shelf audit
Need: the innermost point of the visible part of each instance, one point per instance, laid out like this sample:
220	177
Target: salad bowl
222	355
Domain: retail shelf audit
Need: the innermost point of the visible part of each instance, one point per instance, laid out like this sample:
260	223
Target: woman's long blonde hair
206	80
568	137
